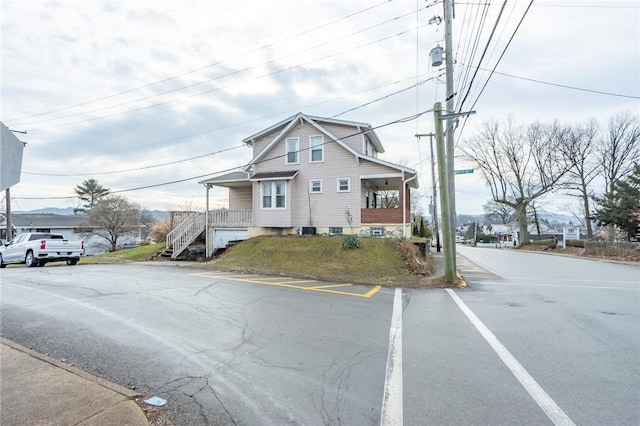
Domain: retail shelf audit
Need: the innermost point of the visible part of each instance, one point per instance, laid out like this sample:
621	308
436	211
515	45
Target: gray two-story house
308	175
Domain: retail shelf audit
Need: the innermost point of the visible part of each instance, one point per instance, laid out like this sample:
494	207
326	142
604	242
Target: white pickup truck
36	249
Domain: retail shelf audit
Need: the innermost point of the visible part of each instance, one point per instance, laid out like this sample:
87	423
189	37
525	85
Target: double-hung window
316	149
343	185
274	195
292	149
315	186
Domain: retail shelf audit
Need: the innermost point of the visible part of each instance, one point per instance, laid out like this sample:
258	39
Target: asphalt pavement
36	389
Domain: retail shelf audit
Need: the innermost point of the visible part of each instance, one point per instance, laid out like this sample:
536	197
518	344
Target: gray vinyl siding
371	168
347	135
326	209
272	217
265	140
240	198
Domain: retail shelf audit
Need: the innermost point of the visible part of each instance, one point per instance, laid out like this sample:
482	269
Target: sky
151	97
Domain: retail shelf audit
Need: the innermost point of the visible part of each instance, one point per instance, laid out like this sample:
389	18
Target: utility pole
434	193
447	229
8	223
450	145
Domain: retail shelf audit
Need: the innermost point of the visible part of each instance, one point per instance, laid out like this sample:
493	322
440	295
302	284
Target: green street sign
464	171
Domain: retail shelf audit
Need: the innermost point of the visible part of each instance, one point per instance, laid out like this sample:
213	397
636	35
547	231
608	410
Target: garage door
221	237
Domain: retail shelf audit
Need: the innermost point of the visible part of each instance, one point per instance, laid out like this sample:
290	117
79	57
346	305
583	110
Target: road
560	343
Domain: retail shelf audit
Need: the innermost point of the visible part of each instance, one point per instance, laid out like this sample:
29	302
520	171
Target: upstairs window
292	148
316	149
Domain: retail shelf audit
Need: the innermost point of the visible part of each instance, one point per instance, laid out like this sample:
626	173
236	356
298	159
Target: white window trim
274	199
321	148
348	185
286	150
311	191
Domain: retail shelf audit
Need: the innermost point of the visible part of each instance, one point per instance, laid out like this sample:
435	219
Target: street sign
464	171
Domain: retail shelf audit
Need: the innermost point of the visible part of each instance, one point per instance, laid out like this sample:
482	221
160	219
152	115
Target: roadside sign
570	233
464	171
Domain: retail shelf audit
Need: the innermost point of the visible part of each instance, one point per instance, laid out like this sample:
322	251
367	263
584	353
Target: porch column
206	225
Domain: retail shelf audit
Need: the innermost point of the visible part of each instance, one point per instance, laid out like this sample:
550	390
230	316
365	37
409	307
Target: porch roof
289	174
227	180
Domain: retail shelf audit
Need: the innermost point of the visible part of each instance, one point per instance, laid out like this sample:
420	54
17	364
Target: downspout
404	203
206	225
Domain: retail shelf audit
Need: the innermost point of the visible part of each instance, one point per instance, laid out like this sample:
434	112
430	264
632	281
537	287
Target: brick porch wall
393	215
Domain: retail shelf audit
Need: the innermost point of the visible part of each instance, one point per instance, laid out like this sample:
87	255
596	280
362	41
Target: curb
104	383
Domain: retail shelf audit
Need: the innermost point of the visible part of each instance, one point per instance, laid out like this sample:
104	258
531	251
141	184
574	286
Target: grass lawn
379	261
136	254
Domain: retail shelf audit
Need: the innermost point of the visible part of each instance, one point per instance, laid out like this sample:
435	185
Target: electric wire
398	121
232	85
235	72
483	54
266	46
223	150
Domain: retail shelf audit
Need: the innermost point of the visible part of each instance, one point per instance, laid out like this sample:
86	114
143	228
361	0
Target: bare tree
619	150
578	147
112	218
498	212
519	164
389	198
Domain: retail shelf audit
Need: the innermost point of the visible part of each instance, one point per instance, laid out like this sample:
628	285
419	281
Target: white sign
570	233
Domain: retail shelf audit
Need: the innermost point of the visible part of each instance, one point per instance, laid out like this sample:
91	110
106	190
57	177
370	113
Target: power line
137	168
239	71
266	46
223	150
234	84
502	54
564	86
360	132
483	53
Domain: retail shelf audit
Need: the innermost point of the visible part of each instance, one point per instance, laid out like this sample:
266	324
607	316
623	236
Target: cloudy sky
140	94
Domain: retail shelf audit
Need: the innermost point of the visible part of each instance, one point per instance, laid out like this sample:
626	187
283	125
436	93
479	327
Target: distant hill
47	210
157	214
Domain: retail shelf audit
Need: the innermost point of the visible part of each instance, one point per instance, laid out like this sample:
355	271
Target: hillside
380	261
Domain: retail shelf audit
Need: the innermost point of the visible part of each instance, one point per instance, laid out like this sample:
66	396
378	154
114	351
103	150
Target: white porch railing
230	218
193	224
185	233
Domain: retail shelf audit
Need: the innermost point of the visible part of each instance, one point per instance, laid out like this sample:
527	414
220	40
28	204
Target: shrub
575	243
541	242
351	242
160	230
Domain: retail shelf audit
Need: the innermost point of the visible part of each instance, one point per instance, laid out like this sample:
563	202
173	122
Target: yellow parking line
321	288
327	286
373	291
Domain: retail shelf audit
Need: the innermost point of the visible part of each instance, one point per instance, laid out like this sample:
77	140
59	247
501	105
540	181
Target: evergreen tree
89	192
621	206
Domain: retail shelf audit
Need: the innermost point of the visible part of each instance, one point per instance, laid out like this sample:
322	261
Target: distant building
71	226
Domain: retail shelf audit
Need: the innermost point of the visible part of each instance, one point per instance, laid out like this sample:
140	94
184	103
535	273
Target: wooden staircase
184	234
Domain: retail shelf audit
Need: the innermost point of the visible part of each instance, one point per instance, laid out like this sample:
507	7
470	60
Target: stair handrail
180	228
192	232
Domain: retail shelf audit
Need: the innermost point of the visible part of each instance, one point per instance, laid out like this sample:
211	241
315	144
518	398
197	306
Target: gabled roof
287	124
46	220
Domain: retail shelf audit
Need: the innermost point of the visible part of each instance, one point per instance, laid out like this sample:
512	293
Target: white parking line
548	405
392	399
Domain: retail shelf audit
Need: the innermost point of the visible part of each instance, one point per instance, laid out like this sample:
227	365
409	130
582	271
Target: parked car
36	249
